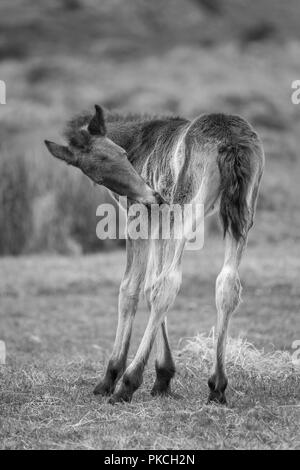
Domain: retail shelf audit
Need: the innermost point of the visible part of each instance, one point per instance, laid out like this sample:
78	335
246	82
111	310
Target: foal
215	160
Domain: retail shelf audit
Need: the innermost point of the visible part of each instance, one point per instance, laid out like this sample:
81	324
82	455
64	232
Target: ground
58	318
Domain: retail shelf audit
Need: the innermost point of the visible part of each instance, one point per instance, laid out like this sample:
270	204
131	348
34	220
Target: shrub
15	204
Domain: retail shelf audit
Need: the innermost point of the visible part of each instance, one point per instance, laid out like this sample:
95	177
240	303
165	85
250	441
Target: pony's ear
62	152
97	124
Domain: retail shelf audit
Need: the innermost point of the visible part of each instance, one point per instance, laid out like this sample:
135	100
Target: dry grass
240	355
58	317
54	408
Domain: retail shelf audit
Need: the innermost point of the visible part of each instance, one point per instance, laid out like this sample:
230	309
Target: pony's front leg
137	256
163	294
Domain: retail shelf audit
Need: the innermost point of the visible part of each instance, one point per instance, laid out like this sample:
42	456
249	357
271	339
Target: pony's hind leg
137	257
228	290
164	363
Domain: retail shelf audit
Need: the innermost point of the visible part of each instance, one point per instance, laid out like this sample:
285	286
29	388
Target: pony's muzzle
159	199
153	197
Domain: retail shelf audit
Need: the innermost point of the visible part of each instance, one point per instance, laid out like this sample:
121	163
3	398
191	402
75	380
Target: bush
15	204
47	208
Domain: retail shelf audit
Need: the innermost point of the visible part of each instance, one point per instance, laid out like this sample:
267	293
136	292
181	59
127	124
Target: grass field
58	317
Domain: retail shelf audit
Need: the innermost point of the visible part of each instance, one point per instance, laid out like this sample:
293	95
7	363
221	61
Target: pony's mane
76	134
114	116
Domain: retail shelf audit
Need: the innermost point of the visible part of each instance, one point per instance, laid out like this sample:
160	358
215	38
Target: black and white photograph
149	227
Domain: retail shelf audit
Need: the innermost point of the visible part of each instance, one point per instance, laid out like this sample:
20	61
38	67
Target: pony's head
103	161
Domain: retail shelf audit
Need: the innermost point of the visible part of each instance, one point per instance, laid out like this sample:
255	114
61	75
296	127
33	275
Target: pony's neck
123	129
138	134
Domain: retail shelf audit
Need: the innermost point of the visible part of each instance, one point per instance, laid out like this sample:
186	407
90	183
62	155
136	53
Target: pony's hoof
103	389
217	387
158	391
218	397
120	397
166	394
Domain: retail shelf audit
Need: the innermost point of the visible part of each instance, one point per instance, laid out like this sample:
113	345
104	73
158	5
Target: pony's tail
234	161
